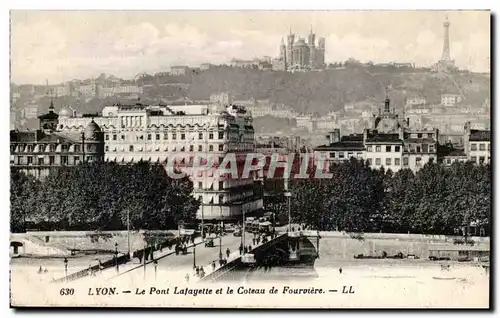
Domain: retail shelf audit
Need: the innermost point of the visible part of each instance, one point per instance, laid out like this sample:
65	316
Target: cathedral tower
289	48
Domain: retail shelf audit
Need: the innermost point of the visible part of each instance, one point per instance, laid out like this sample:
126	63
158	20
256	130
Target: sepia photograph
250	159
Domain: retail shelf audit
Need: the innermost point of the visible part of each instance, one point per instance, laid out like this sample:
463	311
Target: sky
60	46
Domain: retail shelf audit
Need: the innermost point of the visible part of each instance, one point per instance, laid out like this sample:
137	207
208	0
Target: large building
445	64
477	144
297	54
154	133
36	152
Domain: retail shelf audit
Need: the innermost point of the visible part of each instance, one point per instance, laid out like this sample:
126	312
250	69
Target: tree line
435	200
101	197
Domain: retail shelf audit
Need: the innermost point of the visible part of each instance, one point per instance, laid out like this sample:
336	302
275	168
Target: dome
91	130
65	112
300	43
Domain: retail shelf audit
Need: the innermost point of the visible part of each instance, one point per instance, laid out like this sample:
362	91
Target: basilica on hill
299	55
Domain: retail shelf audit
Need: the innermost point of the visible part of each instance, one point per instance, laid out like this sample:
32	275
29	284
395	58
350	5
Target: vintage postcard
250	159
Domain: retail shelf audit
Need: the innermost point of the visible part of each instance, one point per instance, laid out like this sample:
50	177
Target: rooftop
383	138
480	135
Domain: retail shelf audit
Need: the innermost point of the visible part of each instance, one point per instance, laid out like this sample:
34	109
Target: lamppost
66	268
116	256
194	256
155	263
220	242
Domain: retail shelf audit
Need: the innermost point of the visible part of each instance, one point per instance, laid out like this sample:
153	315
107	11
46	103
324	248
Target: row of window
386	148
482	146
397	161
480	159
51	160
182	136
50	148
342	155
422	135
191	148
407	148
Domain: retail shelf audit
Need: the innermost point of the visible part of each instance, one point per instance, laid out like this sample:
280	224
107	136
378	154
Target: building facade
36	152
157	134
477	144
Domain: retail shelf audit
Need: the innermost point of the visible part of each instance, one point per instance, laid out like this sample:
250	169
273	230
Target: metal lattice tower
446	43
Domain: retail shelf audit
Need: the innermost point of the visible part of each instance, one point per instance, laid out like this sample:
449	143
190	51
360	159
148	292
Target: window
369	148
431	160
360	155
200	185
200	135
77	148
174	136
131	148
183	136
350	154
431	148
377	161
19	160
332	154
200	198
114	137
473	159
388	148
418	161
397	148
30	160
419	148
482	147
149	136
40	161
341	154
191	148
388	161
157	136
211	136
221	135
221	147
369	160
406	148
89	148
221	185
30	148
473	147
397	161
431	135
52	160
405	161
76	160
107	137
221	199
481	160
123	137
211	148
448	161
64	160
165	136
377	148
200	148
419	135
106	148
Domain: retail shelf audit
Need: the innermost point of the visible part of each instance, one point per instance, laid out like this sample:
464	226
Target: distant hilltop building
298	55
445	64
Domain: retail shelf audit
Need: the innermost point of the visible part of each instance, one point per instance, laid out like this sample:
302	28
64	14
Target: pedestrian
202	272
40	270
228	252
187	277
241	248
197	271
249	248
213	265
340	270
245	250
253	241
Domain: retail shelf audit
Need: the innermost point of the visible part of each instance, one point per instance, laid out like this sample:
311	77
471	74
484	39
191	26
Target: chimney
336	135
401	133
